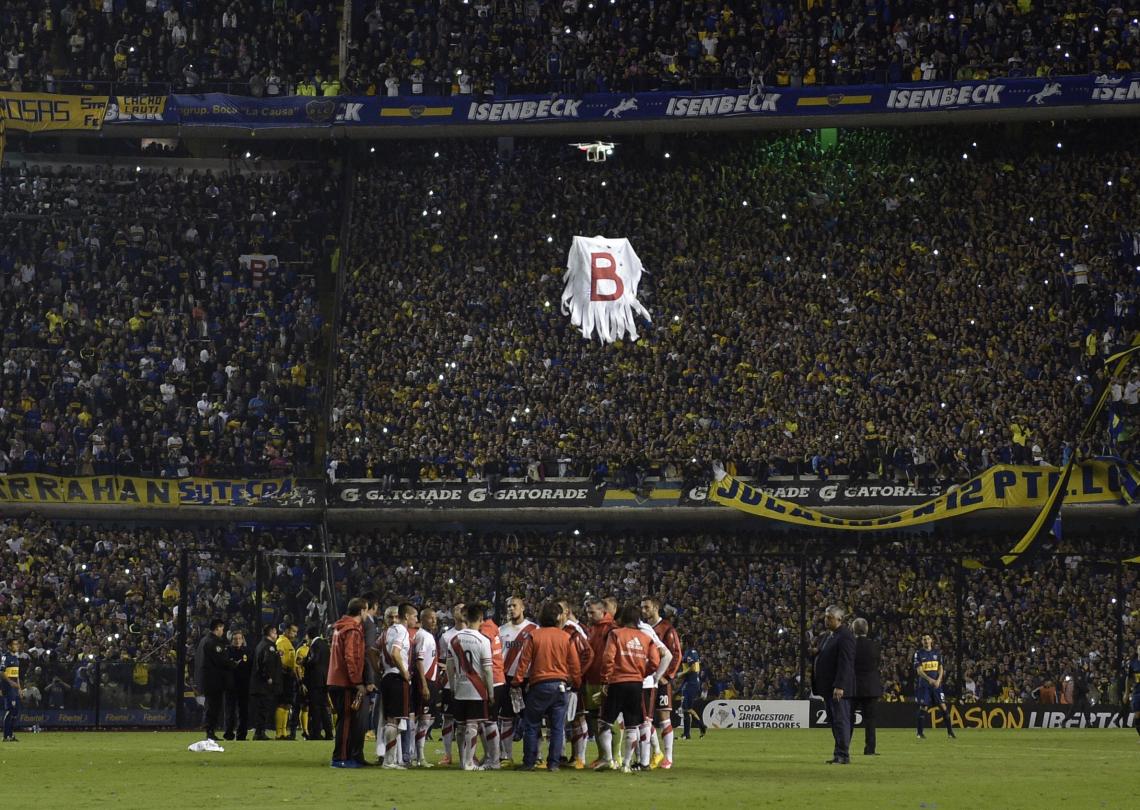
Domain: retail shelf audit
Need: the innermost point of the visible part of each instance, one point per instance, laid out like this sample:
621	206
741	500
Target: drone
597	151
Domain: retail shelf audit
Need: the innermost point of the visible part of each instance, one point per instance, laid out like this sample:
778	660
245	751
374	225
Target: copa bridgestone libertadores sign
757	714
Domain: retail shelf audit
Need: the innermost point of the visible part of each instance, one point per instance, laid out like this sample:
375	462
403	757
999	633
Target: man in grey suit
834	678
868	686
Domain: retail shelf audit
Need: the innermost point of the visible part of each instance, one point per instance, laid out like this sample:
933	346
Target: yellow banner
999	487
37	488
42	112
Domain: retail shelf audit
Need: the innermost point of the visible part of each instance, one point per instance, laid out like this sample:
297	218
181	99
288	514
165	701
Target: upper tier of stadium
135	342
814	310
502	47
906	304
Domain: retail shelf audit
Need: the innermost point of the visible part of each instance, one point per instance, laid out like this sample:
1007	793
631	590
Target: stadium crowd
578	46
136	342
246	48
814	311
77	595
511	46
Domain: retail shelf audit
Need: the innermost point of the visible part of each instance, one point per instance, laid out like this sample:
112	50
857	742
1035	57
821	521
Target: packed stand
96	606
814	311
577	46
135	340
81	595
259	49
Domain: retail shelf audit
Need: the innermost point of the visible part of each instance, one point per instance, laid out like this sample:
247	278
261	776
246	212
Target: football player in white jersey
396	681
448	723
644	732
514	634
472	682
425	694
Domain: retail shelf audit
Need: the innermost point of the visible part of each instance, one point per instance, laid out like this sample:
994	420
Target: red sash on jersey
476	678
516	650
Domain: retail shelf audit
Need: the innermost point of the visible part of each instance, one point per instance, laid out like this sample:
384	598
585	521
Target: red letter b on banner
604	268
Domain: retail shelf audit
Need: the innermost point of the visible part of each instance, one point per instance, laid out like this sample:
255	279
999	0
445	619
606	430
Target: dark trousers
262	708
546	699
866	706
11	704
692	708
215	705
320	719
348	741
237	712
840	713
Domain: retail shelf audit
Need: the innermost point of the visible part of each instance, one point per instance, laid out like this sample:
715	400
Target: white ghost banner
602	276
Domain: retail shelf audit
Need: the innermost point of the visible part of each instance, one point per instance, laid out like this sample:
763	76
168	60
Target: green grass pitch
1039	769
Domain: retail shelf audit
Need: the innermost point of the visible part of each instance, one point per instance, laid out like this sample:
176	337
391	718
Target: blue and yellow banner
999	487
218	109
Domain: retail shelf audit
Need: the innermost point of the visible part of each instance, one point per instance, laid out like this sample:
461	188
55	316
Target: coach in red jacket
346	686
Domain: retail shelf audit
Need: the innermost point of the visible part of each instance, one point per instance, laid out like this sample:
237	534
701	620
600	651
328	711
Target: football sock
467	750
491	751
507	735
667	740
408	742
644	733
579	739
282	718
918	719
448	729
423	723
631	744
605	742
391	745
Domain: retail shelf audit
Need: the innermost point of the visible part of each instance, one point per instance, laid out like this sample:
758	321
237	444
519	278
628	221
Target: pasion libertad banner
991	715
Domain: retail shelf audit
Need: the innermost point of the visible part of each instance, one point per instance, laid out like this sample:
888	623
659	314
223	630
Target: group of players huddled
497	684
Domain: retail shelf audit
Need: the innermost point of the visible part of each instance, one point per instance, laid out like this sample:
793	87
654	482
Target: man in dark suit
264	682
316	690
834	678
237	689
868	686
213	667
